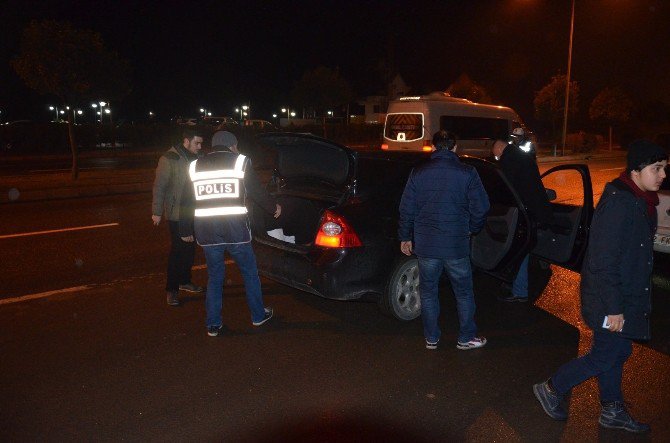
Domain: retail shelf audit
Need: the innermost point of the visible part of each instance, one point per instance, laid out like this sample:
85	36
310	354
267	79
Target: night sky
220	54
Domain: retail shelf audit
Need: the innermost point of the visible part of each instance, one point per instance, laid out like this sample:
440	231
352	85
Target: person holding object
171	174
443	204
215	205
615	288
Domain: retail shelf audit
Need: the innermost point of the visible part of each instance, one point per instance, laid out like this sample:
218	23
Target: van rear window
404	127
475	128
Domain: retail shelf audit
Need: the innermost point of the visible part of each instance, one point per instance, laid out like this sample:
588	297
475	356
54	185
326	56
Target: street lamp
51	108
567	78
77	112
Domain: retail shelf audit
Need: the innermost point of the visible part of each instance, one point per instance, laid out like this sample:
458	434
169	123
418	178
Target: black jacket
521	170
616	275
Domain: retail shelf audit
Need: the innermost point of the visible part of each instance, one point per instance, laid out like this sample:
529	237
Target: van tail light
427	146
385	147
336	232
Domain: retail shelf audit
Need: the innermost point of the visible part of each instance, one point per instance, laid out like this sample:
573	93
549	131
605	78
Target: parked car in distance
259	124
662	237
220	123
337	235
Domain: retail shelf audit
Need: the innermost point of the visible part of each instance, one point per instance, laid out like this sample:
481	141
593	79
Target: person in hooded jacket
215	201
615	288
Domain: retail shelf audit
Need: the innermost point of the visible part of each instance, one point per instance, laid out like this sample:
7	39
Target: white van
412	121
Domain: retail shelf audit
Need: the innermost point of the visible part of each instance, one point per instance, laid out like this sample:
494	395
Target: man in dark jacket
616	287
216	203
171	174
443	204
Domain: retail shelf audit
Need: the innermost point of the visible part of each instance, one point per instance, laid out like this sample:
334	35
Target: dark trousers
605	360
180	259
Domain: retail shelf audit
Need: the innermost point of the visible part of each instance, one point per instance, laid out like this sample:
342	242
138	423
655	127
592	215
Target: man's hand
406	247
277	211
156	219
615	322
188	239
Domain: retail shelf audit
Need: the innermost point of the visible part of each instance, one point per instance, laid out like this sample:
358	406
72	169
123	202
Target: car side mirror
551	194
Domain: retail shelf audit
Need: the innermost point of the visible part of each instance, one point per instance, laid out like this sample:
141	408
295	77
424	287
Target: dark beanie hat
224	138
642	153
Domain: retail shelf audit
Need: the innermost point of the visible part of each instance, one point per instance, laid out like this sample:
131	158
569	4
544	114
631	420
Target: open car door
564	241
500	247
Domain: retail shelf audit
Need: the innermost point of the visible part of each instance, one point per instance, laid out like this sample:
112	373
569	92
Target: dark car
337	236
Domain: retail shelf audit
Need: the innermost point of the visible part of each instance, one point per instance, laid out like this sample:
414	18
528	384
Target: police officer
219	185
519	164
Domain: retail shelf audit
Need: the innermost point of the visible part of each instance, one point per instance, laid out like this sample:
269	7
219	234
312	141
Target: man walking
519	164
443	204
171	174
615	289
220	183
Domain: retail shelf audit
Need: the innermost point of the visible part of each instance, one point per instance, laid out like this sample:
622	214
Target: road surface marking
21	298
52	231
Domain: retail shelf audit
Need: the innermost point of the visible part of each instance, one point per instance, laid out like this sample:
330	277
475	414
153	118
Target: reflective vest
219	192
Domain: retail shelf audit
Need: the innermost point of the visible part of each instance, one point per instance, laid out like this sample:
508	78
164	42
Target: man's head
498	148
444	140
225	139
646	163
192	140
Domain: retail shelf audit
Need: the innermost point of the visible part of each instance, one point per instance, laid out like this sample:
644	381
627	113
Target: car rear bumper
338	274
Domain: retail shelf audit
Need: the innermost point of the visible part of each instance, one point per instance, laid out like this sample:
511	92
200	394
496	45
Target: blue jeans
520	283
459	271
605	360
243	254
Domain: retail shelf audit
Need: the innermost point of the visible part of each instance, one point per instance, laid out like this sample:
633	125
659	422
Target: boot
172	298
613	415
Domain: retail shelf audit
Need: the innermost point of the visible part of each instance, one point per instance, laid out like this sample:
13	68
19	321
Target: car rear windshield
404	127
475	128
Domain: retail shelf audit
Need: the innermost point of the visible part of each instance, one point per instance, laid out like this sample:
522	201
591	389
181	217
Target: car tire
401	299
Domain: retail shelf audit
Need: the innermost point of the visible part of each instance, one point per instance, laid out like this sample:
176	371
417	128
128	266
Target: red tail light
385	147
335	232
427	146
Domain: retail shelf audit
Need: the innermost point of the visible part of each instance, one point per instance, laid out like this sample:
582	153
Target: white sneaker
476	342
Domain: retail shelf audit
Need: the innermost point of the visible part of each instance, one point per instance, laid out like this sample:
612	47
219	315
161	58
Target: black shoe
268	316
512	298
213	331
190	287
550	401
613	415
172	298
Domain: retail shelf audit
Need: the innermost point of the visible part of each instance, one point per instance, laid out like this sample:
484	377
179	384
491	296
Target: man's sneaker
431	345
268	316
213	331
510	298
475	343
190	287
172	298
613	415
550	401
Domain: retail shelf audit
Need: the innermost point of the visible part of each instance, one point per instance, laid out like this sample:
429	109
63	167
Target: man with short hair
215	200
171	174
443	204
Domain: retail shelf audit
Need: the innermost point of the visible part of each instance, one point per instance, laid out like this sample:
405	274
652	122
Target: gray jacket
171	173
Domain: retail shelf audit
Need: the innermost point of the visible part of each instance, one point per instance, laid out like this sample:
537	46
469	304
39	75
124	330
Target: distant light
51	108
80	112
283	109
108	111
151	113
67	107
62	112
292	114
202	110
274	115
410	98
103	104
93	105
245	107
209	114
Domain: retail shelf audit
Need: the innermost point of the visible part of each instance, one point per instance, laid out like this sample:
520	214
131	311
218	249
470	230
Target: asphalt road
90	351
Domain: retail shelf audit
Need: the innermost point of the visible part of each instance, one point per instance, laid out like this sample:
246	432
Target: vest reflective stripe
209	212
221	185
238	172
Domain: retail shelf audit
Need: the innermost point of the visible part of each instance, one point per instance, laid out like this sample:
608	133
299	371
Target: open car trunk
310	175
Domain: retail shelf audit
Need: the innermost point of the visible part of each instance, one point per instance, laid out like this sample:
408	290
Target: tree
71	64
549	102
320	90
465	87
612	107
